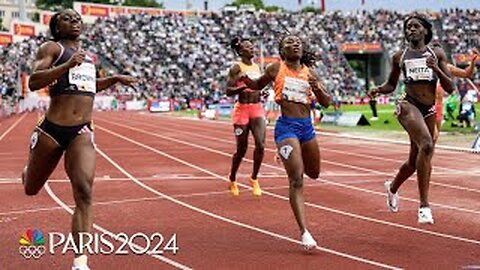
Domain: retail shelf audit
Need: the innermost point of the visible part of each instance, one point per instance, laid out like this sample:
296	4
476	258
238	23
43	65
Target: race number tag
83	77
417	69
34	140
296	90
285	151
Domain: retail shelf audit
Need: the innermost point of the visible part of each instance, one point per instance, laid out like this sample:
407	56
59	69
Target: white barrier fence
101	103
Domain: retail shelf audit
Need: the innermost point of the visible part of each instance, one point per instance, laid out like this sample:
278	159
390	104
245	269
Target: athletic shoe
392	198
257	191
80	267
307	241
425	215
234	188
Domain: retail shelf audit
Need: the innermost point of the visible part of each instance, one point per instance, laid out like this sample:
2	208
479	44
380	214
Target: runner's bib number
417	69
83	77
296	90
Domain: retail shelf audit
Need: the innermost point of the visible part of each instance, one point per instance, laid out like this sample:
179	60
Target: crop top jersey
79	80
293	85
252	71
414	66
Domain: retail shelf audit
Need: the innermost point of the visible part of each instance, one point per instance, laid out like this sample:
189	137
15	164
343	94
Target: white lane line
12	126
113	235
282	169
442	169
328	209
240	224
188	195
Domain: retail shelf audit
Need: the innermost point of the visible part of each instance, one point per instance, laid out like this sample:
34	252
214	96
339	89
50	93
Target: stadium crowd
187	57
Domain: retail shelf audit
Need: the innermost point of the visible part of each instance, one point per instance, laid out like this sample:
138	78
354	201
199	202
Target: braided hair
53	25
236	44
308	56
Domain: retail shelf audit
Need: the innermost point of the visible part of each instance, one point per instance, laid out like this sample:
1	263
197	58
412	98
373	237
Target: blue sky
403	5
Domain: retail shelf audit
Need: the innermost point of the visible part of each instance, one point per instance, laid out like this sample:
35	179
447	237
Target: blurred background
180	51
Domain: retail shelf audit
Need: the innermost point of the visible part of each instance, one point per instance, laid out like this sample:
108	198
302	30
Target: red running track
161	174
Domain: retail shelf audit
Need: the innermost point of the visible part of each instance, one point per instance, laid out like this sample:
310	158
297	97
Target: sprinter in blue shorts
294	84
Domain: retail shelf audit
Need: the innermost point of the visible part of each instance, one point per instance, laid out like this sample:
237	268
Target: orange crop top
292	85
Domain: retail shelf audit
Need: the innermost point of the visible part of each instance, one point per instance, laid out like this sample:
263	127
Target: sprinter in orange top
294	82
248	114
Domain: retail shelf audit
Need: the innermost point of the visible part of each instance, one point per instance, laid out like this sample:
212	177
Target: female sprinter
67	128
248	114
297	146
422	67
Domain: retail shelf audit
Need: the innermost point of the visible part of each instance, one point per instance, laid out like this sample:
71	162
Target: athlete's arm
105	83
233	76
269	76
463	73
323	97
43	74
441	69
390	85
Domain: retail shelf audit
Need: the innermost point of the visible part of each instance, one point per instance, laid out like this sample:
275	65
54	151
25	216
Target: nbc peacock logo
32	244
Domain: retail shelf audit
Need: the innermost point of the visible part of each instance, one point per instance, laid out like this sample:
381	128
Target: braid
53	25
236	43
280	47
308	57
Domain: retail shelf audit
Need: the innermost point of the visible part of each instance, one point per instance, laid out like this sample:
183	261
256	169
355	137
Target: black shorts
62	135
425	110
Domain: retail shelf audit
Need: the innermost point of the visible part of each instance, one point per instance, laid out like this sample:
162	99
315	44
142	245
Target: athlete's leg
290	152
257	126
80	167
407	169
311	158
241	137
44	156
436	132
420	132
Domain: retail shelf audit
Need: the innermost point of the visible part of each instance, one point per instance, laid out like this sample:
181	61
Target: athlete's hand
126	80
475	52
373	93
76	59
313	81
432	63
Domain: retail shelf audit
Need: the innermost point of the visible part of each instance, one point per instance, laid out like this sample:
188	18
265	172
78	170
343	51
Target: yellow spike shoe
257	191
234	188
